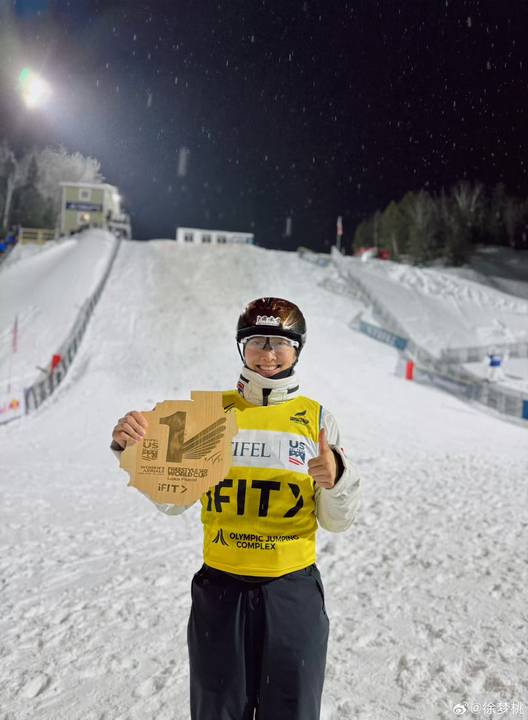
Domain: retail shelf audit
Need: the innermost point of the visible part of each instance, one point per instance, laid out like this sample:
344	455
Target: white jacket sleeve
336	507
166	508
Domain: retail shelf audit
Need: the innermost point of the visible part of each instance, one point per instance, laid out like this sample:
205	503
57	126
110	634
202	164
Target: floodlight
33	88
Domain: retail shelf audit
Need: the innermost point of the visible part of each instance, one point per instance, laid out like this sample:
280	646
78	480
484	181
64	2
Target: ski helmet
272	316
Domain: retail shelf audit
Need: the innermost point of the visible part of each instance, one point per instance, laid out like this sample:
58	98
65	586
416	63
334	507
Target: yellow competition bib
260	520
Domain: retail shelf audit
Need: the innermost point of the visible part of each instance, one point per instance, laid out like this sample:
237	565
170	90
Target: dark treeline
423	227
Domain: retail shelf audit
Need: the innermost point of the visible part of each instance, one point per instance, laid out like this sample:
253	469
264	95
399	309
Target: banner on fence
11	405
384	336
456	387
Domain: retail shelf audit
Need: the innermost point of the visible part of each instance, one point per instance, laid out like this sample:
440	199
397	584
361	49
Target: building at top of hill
213	237
92	205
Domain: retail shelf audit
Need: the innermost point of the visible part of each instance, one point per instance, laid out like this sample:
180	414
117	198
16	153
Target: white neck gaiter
260	390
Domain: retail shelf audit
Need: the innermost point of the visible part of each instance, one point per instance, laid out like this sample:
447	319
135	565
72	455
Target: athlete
494	362
258	629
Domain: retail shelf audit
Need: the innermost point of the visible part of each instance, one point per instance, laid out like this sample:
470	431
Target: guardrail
446	371
380	334
40	390
316	258
35	235
476	353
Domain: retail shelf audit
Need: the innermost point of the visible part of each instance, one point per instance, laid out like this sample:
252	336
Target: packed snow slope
440	310
44	287
426	593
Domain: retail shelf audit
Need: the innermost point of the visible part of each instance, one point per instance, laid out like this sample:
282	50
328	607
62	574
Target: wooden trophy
185	451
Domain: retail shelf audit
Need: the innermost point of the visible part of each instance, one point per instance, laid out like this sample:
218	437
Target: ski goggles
276	343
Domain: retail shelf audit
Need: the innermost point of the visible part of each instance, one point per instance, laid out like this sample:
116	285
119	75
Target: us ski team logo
297	452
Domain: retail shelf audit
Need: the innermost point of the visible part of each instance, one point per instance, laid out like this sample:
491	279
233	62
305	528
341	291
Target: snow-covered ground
22	251
44	286
426	592
440	310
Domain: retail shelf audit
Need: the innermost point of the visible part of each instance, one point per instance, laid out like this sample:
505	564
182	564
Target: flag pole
339	232
14	348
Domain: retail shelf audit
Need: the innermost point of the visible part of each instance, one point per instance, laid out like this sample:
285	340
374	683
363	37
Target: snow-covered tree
56	165
33	181
469	200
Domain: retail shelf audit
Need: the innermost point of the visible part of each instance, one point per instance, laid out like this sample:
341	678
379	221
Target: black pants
257	646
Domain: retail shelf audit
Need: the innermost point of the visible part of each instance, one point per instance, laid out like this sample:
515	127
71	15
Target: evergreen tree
29	208
423	229
9	178
393	230
513	219
362	235
495	228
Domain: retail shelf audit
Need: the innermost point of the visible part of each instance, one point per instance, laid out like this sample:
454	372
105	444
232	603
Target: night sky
305	109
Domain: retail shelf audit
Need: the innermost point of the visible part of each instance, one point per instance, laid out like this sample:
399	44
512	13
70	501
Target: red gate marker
56	360
409	370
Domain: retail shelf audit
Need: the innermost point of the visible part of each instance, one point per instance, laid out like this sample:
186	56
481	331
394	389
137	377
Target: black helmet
272	316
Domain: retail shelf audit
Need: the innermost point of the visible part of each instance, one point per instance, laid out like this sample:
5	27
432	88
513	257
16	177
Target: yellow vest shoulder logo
260	520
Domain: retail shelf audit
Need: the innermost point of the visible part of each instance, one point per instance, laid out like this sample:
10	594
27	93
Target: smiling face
269	361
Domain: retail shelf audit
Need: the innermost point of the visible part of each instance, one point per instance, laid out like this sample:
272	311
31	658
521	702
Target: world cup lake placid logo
185	451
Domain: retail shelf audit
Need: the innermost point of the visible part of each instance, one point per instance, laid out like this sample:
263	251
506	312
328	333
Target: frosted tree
37	177
469	201
56	165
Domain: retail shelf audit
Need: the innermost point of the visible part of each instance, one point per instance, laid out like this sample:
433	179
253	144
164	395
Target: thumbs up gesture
323	468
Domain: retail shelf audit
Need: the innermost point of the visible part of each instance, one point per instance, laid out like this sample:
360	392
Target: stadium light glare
34	90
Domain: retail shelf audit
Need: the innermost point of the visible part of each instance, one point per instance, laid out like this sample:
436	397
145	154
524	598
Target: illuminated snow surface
426	592
44	287
442	310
